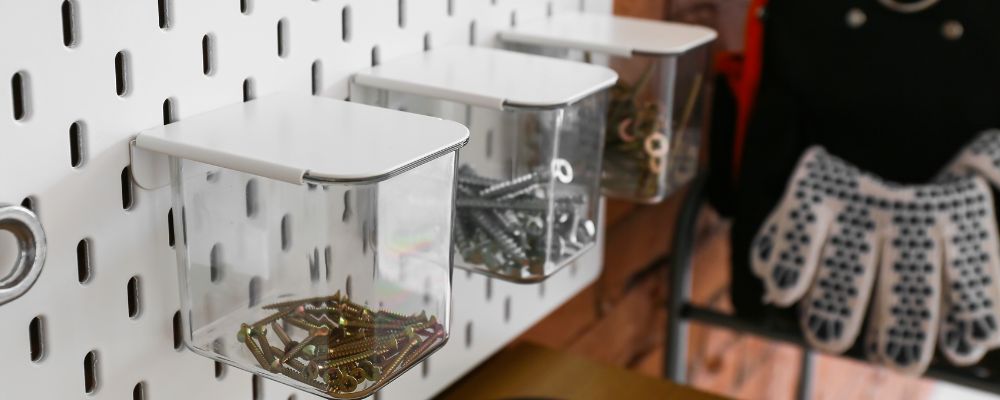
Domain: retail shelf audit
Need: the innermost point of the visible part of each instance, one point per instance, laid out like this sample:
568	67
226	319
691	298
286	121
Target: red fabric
743	73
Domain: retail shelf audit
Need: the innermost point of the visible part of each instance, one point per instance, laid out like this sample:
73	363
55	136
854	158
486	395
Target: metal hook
27	230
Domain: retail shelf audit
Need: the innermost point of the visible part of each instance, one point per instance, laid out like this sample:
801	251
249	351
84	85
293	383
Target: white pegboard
66	149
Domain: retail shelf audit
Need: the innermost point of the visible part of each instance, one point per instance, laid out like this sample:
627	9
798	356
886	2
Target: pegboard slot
252	198
248	92
121	73
506	309
282	38
215	263
36	336
345	24
376	56
472	33
257	388
208	54
468	335
169	113
84	266
220	370
69	23
286	232
178	332
29	203
317	77
128	198
90	377
134	300
19	92
171	237
451	8
328	261
164	10
77	144
401	13
427	41
314	266
254	291
139	391
245	6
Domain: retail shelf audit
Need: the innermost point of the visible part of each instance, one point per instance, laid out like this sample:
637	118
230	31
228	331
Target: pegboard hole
208	54
348	287
472	33
254	290
425	368
164	8
286	232
90	378
171	237
257	387
252	198
36	336
282	38
451	8
245	7
139	391
178	332
328	261
549	10
513	19
215	263
376	56
169	111
19	92
345	24
541	289
248	92
489	288
77	144
401	13
506	309
427	41
134	297
317	77
84	267
69	23
122	66
128	198
468	335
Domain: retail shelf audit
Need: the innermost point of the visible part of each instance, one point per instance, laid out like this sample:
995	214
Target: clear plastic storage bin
655	113
313	238
528	182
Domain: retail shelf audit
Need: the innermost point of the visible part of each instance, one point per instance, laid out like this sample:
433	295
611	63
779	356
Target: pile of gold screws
346	344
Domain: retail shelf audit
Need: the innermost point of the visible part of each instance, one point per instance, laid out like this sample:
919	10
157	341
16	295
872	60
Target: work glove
837	228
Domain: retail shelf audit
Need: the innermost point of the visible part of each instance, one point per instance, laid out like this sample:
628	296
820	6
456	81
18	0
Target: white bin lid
489	77
300	138
608	34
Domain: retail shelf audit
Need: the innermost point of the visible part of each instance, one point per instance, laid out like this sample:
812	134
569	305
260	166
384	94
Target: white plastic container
655	113
528	182
313	238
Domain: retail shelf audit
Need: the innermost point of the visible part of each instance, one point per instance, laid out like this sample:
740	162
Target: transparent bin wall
287	280
655	121
528	182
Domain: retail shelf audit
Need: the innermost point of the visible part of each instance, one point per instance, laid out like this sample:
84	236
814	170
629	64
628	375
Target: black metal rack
680	312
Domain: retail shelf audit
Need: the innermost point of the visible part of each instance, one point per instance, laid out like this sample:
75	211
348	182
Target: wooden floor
619	321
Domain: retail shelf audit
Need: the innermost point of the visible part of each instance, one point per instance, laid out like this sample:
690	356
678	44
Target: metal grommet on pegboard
27	230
